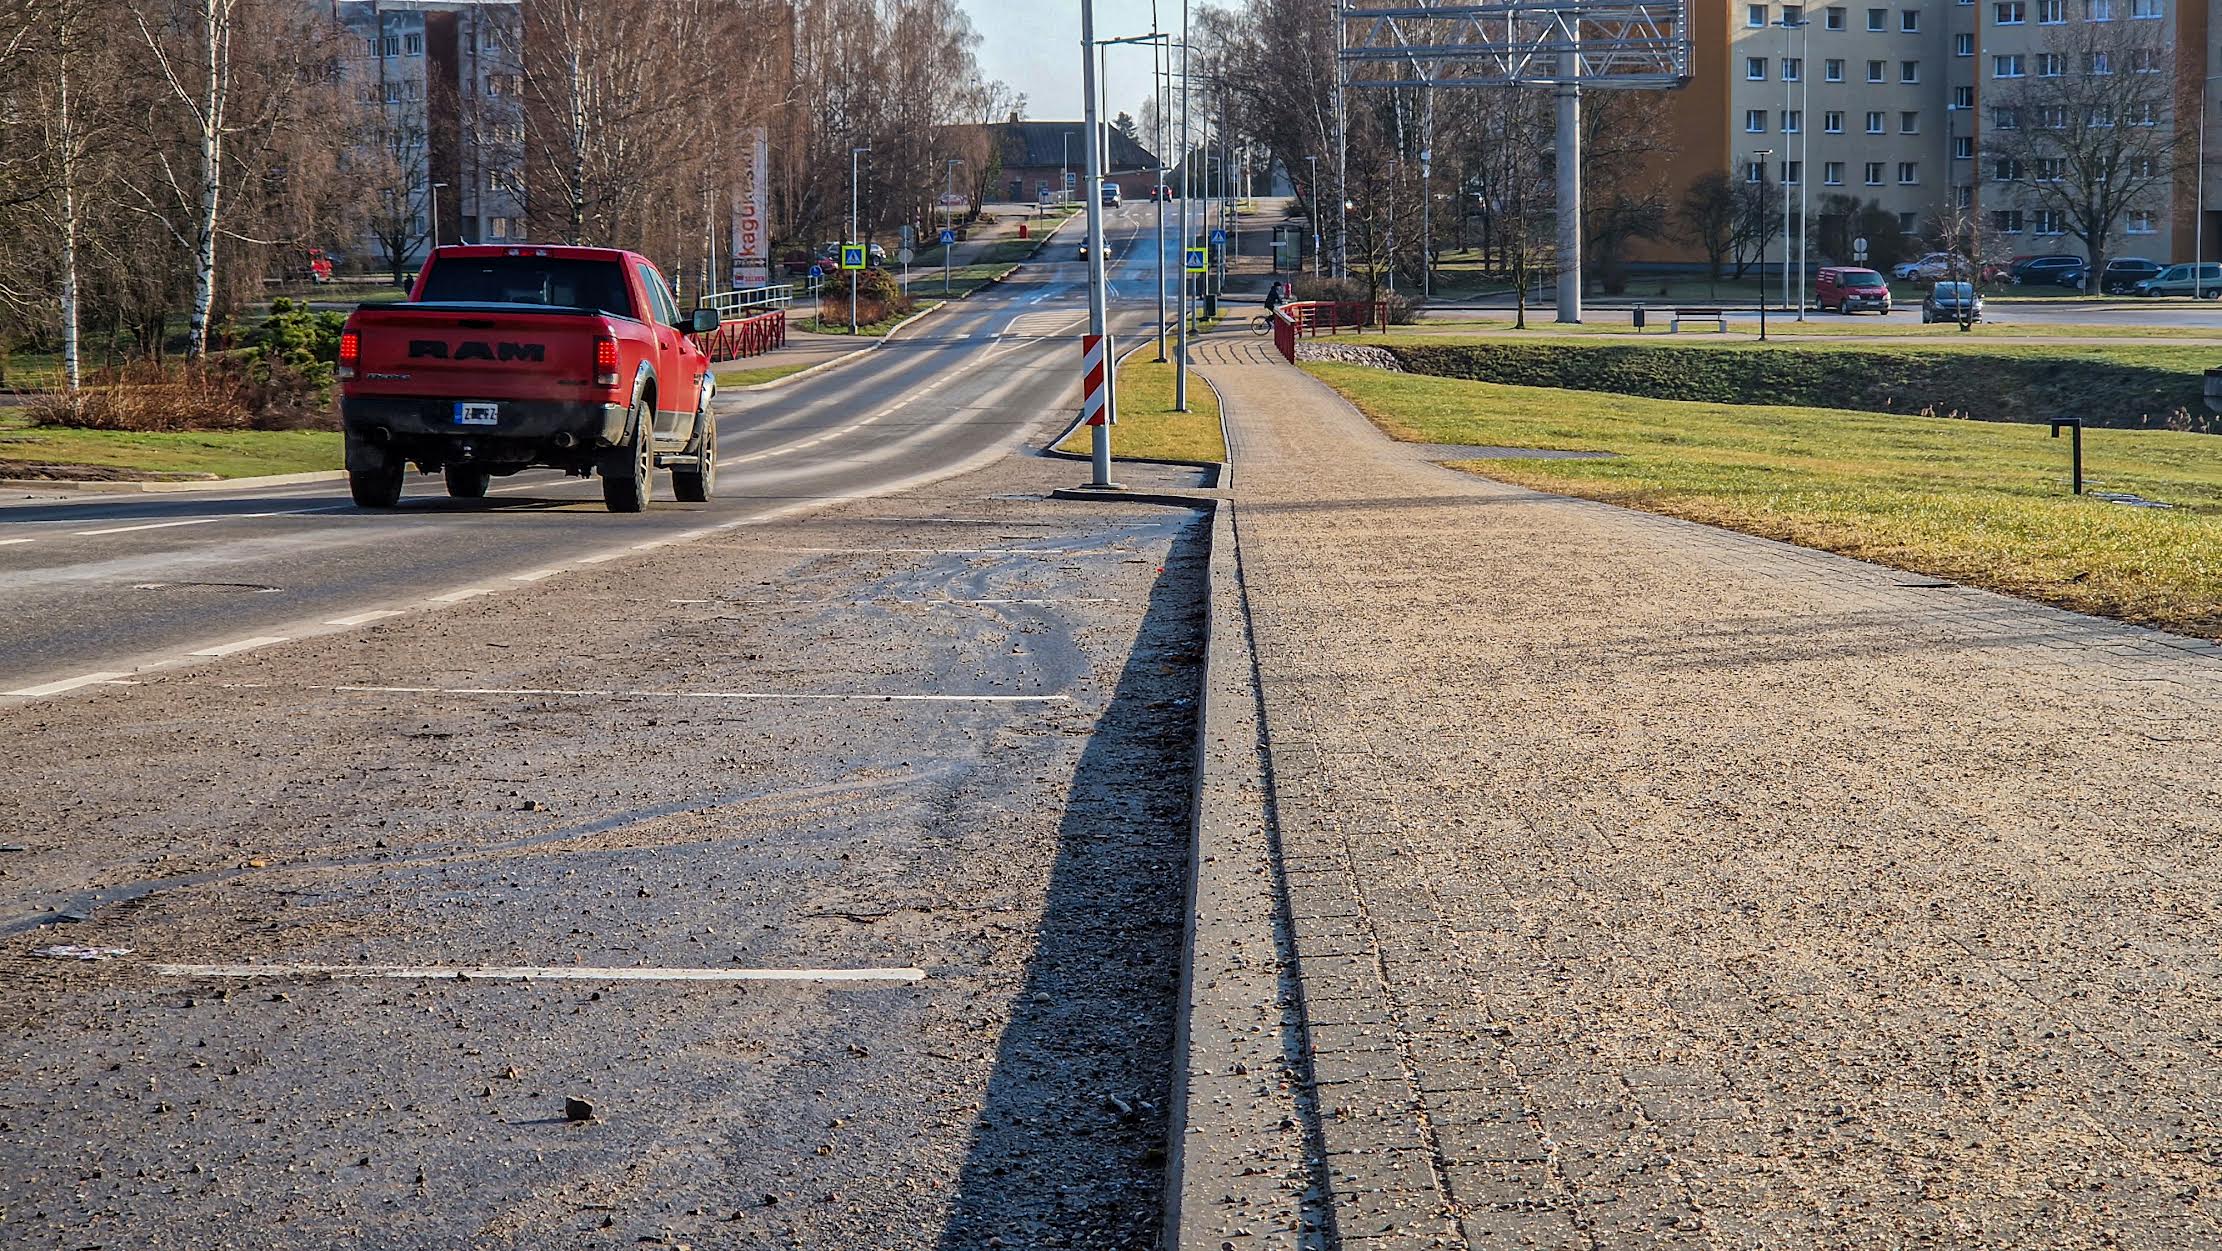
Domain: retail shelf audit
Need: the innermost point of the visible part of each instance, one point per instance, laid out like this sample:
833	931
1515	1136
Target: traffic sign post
1859	249
1095	404
1195	260
852	256
948	246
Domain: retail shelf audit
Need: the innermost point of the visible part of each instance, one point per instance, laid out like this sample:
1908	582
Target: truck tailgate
478	351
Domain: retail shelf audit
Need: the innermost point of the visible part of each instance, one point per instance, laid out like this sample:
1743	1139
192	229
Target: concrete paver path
1654	885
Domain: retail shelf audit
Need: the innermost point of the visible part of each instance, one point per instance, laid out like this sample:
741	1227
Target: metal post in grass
1762	154
2074	427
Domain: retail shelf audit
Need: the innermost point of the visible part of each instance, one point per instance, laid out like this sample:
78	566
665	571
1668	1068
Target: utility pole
1159	55
1569	145
854	237
1313	161
1342	151
949	215
1099	451
1180	371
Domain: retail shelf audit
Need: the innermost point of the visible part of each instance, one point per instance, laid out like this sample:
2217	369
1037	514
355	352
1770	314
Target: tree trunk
216	31
72	366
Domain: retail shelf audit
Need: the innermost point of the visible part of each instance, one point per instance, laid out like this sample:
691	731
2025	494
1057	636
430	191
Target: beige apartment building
1887	102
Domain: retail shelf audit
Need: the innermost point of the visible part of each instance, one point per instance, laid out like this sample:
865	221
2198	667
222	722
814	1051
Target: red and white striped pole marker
1095	404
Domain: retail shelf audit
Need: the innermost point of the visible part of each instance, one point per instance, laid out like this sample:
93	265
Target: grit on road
812	882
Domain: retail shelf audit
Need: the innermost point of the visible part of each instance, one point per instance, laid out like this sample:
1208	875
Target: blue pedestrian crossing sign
1193	262
1218	238
948	237
852	256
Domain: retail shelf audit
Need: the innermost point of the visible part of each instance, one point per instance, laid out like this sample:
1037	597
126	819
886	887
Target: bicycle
1261	324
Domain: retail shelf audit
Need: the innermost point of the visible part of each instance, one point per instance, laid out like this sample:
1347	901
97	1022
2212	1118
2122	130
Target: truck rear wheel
376	487
467	482
629	472
696	485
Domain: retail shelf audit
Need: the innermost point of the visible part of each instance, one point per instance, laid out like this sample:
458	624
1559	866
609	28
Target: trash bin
1022	230
1211	303
1636	318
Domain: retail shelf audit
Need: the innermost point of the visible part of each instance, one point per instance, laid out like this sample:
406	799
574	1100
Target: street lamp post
434	217
1180	369
949	214
1761	155
1805	47
1314	161
1099	434
2198	200
854	237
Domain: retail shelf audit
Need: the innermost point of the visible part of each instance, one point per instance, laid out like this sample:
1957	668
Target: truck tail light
350	352
605	362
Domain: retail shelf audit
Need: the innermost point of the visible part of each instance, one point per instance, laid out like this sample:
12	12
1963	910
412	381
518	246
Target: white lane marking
152	525
839	697
238	645
538	972
66	684
455	597
365	618
596	560
13	542
535	576
930	551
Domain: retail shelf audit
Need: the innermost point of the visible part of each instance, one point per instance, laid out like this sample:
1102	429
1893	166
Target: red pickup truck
508	357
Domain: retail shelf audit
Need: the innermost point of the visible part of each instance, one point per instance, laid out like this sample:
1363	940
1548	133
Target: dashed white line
839	697
538	972
455	597
66	684
365	618
596	560
237	645
13	542
152	525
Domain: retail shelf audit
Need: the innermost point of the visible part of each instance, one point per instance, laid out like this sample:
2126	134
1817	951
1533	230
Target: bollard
1635	318
2074	425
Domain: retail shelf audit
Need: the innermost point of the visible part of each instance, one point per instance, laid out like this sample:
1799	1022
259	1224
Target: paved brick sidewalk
1654	885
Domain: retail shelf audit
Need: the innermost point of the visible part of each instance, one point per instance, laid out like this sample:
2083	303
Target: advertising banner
752	257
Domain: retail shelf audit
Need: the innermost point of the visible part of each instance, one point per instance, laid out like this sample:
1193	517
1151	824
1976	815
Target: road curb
1242	1150
168	488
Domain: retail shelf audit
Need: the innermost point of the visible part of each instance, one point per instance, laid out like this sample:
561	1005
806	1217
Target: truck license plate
477	414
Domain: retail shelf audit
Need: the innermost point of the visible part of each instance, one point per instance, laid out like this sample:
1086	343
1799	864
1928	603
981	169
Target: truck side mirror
705	321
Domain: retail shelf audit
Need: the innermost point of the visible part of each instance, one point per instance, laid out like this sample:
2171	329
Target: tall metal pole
1342	153
1786	161
854	236
948	216
1427	193
1805	166
1159	54
1064	166
1569	146
1316	209
1762	154
2198	203
1099	450
1180	371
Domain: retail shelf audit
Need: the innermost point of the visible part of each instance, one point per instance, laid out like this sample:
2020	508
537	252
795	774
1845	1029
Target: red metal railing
1313	318
745	336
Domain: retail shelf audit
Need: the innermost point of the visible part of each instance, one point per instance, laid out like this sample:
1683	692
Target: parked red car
510	357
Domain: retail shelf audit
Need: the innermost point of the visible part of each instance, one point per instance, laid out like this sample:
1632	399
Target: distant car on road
1110	195
1930	267
1847	289
1083	251
2201	280
2046	270
2123	273
1951	301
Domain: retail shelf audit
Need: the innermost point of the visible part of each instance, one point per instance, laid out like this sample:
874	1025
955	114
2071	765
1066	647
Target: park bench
1674	321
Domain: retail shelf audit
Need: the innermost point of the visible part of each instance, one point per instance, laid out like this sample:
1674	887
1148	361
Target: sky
1034	45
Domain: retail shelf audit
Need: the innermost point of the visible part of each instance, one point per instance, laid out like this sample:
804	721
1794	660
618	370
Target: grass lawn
873	329
740	374
1149	427
226	453
1822	326
1977	502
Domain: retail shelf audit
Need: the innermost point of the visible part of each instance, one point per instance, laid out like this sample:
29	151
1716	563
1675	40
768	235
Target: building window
1833	69
1909	21
1832	18
2052	12
2010	12
1909	123
1875	122
2006	65
1755	15
1832	173
2141	223
2051	64
1793	121
1878	19
2143	61
2007	170
1792	171
1963	147
1755	171
1963	97
2051	168
1755	68
1963	45
497	227
2147	115
1755	121
2144	8
1874	173
1909	173
2048	222
1875	72
1907	222
1909	71
2097	63
2100	10
1792	67
412	45
2006	119
1832	122
1793	15
1963	197
2006	221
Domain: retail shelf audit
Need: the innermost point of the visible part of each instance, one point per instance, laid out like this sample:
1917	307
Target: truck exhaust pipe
565	439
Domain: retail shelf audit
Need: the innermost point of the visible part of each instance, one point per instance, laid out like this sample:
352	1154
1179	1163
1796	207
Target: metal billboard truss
1603	43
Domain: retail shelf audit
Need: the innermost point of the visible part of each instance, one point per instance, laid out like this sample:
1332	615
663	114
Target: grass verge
1981	503
225	453
1148	425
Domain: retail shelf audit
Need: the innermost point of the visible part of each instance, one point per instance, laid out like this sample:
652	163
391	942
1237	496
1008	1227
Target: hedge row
2006	384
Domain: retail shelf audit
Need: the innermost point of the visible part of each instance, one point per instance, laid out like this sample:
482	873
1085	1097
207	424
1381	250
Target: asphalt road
112	585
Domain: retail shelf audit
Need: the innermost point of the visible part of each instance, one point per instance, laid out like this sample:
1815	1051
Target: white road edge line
534	972
469	592
152	525
365	618
238	645
66	684
859	697
13	542
535	576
